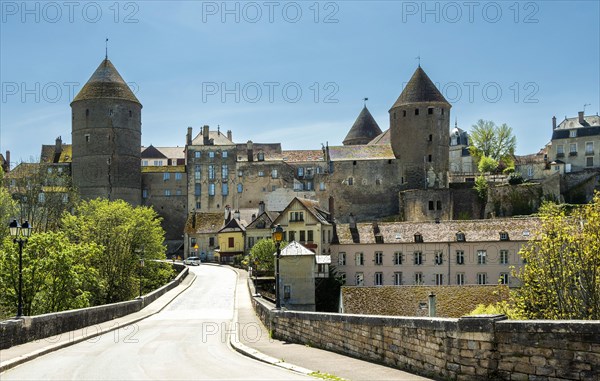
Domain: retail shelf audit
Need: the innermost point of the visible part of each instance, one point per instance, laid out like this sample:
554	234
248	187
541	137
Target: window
260	156
292	235
240	173
573	149
178	192
481	278
589	148
350	180
418	258
378	258
503	236
403	113
158	163
167	192
460	257
197	189
504	257
439	205
418	278
481	257
211	172
560	150
224	154
360	279
41	198
530	171
310	236
198	205
397	279
211	241
397	258
359	259
87	138
144	163
342	277
439	279
211	154
224	172
460	279
274	174
342	259
230	242
178	176
225	189
589	161
429	158
302	236
144	193
300	172
460	237
378	279
572	133
166	176
197	154
503	278
418	238
240	188
250	242
416	111
322	186
296	216
431	205
430	112
261	173
287	291
197	173
211	189
439	258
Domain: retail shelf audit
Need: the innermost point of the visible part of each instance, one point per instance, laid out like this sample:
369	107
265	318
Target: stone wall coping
550	326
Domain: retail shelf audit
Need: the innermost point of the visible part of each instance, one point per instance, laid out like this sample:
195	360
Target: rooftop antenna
365	100
584	106
106	50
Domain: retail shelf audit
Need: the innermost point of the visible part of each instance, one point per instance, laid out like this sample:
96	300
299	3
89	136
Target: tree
125	234
496	142
7	208
487	164
561	277
261	255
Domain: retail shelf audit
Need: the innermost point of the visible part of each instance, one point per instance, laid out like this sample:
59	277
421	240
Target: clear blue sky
518	63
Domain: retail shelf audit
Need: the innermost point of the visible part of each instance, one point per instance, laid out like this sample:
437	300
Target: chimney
553	123
237	215
205	135
229	135
227	214
253	216
188	137
58	145
352	221
581	120
331	209
7	161
353	229
261	208
250	149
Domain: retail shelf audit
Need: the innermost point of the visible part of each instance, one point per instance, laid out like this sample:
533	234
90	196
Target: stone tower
107	134
419	128
364	129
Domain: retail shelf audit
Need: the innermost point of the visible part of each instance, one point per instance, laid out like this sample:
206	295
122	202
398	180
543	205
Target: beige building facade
576	142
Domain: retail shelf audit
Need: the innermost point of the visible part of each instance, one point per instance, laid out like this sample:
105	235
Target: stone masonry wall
470	348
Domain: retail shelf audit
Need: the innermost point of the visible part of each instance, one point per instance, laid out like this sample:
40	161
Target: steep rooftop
364	129
420	89
106	82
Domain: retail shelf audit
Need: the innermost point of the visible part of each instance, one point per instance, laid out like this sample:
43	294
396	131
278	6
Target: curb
253	353
33	355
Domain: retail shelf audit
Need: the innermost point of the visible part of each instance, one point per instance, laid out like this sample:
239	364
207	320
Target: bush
515	178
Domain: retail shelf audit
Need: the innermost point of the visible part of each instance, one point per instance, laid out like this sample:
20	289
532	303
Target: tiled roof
217	136
361	152
581	132
204	223
298	156
23	170
152	152
163	168
267	217
48	154
234	225
518	229
106	82
313	207
569	123
271	151
419	89
383	138
364	129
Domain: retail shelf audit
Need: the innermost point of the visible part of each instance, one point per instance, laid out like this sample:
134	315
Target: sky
296	72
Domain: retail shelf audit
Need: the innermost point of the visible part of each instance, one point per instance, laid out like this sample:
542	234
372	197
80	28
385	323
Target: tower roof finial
106	50
419	58
365	100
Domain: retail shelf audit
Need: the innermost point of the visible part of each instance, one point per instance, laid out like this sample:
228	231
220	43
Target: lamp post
140	253
277	238
17	231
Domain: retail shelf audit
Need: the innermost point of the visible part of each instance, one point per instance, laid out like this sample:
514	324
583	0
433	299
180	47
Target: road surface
186	341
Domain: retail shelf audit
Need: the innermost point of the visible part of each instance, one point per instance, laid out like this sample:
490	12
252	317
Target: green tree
496	142
125	234
261	255
8	209
487	164
561	277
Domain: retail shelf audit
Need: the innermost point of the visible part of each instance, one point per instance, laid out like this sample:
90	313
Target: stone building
107	133
430	253
461	161
576	142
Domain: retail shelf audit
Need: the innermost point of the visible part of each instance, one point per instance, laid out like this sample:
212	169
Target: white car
192	261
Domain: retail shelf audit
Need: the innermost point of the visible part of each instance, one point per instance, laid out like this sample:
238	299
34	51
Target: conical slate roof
364	129
106	82
420	89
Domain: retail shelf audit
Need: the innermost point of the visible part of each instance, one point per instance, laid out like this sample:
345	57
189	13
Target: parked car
192	261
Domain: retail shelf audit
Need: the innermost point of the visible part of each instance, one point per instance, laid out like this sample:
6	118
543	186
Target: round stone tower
107	136
419	133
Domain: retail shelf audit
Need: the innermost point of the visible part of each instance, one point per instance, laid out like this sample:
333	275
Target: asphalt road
186	341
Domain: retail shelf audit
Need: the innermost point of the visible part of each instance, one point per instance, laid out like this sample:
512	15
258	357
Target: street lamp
277	238
17	231
140	253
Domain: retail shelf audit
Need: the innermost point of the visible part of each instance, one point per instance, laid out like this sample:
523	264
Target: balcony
574	153
560	154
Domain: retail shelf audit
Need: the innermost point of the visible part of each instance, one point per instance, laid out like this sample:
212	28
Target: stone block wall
29	328
469	348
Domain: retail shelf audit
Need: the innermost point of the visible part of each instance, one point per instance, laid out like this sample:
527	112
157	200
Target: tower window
429	158
130	113
87	138
404	113
354	162
430	111
394	114
430	137
110	112
87	112
416	111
